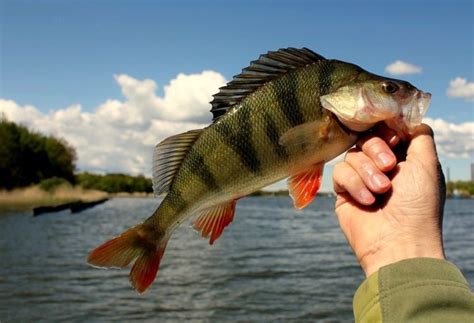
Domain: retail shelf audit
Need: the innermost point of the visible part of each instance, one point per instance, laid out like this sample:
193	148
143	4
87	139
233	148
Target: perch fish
285	115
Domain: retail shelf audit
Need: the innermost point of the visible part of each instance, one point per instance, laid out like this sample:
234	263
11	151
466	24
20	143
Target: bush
51	184
115	183
463	187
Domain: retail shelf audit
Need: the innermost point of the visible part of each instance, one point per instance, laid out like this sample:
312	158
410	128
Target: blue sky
58	53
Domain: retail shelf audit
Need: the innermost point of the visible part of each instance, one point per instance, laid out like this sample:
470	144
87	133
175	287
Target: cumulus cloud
400	67
453	140
119	135
461	88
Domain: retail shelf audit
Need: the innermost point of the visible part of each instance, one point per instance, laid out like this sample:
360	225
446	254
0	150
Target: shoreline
30	198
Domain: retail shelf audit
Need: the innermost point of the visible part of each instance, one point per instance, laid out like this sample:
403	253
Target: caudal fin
131	245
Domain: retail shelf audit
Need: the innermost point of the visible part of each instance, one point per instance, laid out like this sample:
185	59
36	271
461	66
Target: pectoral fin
212	221
306	134
304	186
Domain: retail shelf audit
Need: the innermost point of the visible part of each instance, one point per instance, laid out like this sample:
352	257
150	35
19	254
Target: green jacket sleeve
415	290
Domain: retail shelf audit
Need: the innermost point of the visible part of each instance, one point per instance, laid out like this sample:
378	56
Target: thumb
422	146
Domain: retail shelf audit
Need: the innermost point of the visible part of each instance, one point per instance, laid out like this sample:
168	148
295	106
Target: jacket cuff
383	296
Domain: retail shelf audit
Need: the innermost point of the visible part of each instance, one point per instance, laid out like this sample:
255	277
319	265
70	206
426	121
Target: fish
286	115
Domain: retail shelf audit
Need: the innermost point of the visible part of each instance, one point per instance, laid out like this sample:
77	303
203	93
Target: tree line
460	187
29	158
115	183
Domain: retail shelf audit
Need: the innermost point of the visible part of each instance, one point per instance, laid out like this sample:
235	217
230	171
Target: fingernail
385	159
366	196
380	180
394	140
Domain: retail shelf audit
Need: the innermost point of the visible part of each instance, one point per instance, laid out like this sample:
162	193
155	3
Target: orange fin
144	270
304	186
130	245
212	221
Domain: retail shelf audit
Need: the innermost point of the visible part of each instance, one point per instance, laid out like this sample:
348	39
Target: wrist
400	250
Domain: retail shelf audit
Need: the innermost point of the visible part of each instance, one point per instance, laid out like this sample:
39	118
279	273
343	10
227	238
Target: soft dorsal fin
268	67
168	156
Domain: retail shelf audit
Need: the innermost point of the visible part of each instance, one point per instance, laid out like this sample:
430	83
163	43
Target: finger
379	151
346	179
387	134
370	174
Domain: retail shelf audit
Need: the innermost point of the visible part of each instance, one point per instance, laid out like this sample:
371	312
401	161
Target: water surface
271	263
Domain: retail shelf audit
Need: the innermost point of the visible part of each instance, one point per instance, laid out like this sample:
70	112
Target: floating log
75	207
81	206
49	209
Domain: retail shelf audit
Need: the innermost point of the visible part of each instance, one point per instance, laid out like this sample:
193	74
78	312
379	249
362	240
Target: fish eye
390	87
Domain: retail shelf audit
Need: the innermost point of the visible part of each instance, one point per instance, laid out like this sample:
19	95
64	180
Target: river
271	263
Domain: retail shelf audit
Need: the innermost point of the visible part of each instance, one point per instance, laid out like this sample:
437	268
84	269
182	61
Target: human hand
391	210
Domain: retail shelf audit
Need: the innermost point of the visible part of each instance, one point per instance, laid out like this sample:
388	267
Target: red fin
212	221
130	245
304	186
144	270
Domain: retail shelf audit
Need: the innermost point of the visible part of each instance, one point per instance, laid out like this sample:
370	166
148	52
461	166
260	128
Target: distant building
472	172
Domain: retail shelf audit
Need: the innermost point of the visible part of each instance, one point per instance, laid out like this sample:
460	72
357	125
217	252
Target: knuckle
366	169
373	144
353	180
339	170
350	153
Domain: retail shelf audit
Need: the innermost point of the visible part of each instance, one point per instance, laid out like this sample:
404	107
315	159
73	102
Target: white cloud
453	140
400	67
119	136
461	88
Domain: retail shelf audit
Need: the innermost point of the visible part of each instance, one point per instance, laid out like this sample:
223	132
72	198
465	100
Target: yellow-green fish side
240	153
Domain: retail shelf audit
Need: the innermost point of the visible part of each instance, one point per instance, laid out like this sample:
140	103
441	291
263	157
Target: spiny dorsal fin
168	156
268	67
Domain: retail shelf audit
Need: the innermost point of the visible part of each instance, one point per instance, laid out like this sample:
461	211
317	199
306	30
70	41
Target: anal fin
212	221
304	186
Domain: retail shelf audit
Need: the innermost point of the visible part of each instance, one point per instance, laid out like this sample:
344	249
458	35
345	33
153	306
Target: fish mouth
415	111
412	114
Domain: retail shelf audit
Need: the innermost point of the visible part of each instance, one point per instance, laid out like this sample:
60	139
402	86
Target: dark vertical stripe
326	75
202	170
272	133
240	139
288	100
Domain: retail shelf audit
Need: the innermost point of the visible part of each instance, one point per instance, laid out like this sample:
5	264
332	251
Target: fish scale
285	115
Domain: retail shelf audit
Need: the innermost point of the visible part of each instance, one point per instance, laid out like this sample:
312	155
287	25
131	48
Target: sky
116	77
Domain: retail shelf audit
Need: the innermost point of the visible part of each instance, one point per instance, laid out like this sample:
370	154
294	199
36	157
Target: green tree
115	183
27	157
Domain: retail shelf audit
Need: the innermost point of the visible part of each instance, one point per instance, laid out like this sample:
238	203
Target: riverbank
26	199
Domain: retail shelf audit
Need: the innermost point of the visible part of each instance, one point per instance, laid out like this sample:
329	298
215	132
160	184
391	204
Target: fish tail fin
134	244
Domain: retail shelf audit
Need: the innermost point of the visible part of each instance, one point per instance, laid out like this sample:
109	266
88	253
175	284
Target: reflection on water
272	263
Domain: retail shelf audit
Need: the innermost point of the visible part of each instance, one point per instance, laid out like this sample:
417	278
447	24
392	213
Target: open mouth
411	115
415	111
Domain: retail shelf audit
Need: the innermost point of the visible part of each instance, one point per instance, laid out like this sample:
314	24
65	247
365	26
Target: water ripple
271	264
